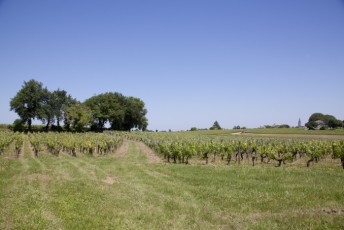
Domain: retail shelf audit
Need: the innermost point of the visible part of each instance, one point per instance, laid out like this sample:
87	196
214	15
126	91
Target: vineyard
106	180
55	143
181	147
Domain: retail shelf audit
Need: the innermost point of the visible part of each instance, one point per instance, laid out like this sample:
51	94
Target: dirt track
151	156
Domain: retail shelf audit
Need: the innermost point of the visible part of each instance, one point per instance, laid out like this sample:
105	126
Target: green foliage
311	125
329	121
5	127
123	113
334	123
216	126
78	116
55	108
338	149
176	146
316	117
35	102
18	125
30	101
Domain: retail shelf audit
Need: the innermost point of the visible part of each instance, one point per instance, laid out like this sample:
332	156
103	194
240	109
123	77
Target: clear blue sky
192	62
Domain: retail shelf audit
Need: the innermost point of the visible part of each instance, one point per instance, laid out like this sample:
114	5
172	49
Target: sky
249	63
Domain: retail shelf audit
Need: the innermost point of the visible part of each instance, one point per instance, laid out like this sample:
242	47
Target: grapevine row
90	143
181	147
7	138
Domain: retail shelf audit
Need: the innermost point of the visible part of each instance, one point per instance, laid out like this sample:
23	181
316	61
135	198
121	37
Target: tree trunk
18	151
73	152
342	160
29	123
309	161
279	162
253	159
238	154
229	158
47	126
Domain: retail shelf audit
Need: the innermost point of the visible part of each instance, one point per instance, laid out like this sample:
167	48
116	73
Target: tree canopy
30	102
319	120
216	126
34	101
123	113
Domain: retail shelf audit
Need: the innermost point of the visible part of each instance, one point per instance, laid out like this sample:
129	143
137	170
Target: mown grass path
125	191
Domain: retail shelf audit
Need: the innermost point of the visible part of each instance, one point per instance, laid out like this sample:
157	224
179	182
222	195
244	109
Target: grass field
125	191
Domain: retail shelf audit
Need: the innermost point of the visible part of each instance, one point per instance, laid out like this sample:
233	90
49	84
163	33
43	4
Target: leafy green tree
316	117
65	111
29	102
60	99
106	107
216	126
18	125
135	114
79	116
123	113
311	125
334	123
47	115
53	109
329	120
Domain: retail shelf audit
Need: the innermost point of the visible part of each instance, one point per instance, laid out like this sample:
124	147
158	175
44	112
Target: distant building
299	123
320	124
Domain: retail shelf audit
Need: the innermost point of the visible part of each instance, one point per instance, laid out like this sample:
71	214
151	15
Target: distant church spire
299	123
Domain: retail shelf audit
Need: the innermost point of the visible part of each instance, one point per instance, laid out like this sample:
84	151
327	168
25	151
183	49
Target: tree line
54	108
323	121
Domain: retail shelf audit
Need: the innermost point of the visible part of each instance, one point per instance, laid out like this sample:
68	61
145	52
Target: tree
60	99
18	125
29	102
316	117
79	116
47	115
334	123
106	107
135	114
216	126
311	125
123	113
66	118
329	120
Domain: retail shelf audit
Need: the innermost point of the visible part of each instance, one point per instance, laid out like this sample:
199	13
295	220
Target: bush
18	126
